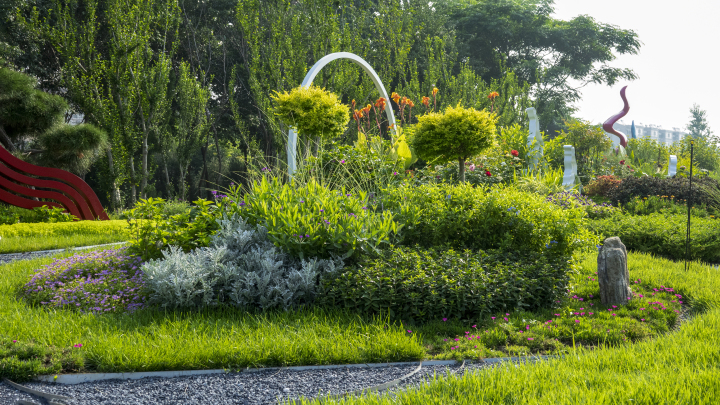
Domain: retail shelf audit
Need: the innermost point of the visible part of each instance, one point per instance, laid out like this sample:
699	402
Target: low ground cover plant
104	281
41	236
467	217
241	267
427	284
663	204
663	234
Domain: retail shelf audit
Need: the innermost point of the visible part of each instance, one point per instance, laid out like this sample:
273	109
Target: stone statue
613	273
672	166
535	142
570	177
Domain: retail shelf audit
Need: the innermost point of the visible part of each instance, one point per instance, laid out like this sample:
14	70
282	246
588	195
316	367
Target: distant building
662	135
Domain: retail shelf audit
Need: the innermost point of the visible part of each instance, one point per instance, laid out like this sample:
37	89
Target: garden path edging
91	377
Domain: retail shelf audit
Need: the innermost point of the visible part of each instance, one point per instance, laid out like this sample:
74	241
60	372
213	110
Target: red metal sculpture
608	125
66	189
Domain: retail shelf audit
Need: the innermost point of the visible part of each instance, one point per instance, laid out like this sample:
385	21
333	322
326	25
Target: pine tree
698	126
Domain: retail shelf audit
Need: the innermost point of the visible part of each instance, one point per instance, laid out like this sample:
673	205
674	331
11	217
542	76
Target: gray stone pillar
613	273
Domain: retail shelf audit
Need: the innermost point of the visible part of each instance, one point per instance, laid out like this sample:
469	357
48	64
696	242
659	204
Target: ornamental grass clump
99	282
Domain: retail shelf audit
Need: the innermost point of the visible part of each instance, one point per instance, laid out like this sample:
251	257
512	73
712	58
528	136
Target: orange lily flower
435	91
492	95
395	97
426	101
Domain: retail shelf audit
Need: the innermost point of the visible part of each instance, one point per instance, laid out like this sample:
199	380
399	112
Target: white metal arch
310	76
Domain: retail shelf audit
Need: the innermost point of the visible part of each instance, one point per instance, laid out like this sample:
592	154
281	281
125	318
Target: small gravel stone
9	395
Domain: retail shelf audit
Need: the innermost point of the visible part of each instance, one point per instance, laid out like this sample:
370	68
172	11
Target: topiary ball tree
456	134
313	111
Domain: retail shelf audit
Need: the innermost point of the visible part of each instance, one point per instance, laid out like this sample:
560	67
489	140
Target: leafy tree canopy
521	35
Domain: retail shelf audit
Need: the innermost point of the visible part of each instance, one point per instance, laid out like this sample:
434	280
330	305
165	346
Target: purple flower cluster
103	281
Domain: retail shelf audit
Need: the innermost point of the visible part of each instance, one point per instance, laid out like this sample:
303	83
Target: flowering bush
104	281
572	200
313	221
423	285
466	217
601	185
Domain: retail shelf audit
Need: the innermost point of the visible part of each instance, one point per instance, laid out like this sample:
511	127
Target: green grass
225	338
44	236
681	367
579	320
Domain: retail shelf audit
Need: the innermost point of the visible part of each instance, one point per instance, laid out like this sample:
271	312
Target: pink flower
409	331
531	338
14	341
472	167
577	321
444	319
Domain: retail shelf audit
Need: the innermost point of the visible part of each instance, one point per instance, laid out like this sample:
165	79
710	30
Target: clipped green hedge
65	229
467	217
423	285
664	235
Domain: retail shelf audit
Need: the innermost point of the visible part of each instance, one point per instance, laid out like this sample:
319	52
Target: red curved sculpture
608	125
72	193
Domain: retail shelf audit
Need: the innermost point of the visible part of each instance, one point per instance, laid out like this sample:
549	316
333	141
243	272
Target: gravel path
264	387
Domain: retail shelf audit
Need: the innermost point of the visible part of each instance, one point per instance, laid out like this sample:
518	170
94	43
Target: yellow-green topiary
312	111
456	134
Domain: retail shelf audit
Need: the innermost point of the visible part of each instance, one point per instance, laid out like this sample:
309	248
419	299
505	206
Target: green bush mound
423	285
663	235
467	217
706	190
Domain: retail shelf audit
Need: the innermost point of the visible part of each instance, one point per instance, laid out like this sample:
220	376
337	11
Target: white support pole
534	141
569	179
310	76
672	166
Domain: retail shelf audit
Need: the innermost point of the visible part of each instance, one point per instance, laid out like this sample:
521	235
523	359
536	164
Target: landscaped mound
103	281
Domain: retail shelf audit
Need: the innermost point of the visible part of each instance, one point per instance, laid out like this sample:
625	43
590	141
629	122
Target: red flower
487	173
622	162
514	153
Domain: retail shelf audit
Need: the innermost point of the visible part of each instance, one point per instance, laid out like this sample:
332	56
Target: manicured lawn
681	367
150	340
44	236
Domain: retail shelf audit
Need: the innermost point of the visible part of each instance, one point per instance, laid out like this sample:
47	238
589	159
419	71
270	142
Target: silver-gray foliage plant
240	267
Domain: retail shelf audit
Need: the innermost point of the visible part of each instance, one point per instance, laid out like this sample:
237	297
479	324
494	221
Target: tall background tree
122	66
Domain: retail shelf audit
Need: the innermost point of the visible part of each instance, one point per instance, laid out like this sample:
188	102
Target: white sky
677	64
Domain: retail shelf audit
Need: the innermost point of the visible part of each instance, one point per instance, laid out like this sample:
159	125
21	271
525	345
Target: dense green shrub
12	215
668	206
706	190
154	228
313	111
664	235
415	284
568	199
466	217
314	221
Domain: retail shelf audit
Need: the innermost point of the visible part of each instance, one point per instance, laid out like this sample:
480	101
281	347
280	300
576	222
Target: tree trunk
461	170
613	274
9	145
133	188
143	182
168	185
115	191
